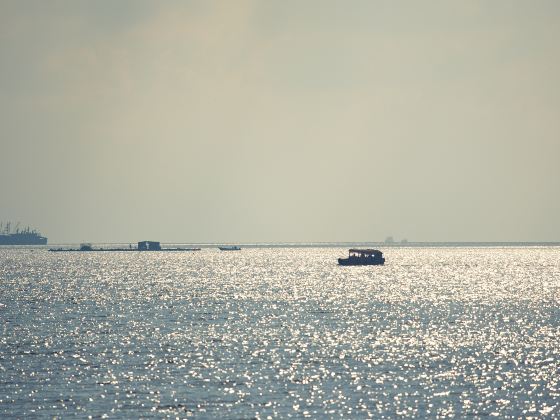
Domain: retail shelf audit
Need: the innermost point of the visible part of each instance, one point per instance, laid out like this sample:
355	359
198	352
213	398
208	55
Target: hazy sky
241	121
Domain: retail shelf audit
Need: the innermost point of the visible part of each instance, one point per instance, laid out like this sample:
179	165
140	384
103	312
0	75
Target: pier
143	246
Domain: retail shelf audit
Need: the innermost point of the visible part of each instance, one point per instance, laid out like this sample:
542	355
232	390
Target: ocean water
280	332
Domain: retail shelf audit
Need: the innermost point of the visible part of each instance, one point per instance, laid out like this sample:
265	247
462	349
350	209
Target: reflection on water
280	332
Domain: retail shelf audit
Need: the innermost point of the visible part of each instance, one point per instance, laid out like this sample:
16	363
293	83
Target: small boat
229	248
363	257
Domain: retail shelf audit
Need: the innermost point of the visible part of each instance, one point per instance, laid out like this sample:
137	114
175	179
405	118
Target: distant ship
26	236
229	248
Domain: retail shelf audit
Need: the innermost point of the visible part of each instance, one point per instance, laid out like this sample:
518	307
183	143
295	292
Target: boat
25	236
363	257
229	248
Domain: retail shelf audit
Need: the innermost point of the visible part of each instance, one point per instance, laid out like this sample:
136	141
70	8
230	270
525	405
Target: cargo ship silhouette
26	236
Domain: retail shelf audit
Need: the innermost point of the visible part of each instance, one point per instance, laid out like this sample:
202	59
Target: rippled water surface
280	332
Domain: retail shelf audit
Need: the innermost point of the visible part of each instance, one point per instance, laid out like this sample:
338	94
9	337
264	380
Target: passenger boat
363	257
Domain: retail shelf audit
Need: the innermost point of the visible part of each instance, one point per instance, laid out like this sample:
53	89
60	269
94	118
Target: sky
281	121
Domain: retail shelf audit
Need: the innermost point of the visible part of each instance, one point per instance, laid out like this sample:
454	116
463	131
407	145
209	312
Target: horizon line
311	244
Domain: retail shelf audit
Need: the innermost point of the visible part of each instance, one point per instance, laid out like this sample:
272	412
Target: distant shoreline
318	244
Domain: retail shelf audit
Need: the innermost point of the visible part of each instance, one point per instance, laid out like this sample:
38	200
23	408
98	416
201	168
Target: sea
281	332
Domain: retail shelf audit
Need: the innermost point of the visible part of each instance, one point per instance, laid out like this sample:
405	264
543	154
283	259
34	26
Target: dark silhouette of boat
229	248
363	257
25	236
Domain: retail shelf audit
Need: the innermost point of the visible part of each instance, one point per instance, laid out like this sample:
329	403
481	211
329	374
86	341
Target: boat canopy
365	252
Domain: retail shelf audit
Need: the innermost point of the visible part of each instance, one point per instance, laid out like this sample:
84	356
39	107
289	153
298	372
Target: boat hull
361	261
22	240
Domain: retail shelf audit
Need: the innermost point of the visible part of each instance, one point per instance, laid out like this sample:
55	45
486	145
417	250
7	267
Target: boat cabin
364	253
